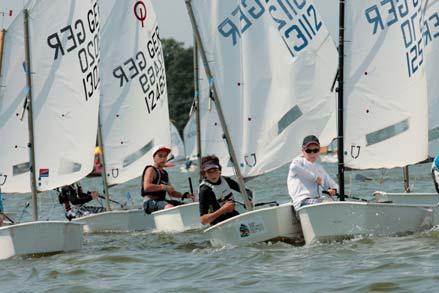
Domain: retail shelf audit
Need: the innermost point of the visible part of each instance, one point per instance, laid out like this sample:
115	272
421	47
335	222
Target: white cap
160	148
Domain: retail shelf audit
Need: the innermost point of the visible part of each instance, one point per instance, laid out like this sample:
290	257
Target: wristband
184	195
165	187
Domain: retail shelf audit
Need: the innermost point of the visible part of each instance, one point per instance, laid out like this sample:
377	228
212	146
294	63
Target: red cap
160	148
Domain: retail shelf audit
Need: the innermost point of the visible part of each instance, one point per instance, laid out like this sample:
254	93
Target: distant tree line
180	80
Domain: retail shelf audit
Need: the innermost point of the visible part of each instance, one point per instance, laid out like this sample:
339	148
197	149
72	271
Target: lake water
186	262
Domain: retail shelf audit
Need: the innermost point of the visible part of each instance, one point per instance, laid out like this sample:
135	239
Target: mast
197	103
104	169
340	148
30	117
2	45
239	177
405	172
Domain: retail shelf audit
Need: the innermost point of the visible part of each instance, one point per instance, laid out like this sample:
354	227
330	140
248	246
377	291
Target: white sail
385	89
66	81
273	87
190	137
431	43
134	105
14	135
10	10
177	145
212	134
212	141
55	33
329	10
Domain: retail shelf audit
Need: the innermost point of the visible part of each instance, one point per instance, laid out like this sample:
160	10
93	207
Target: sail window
292	115
387	132
20	169
138	154
68	167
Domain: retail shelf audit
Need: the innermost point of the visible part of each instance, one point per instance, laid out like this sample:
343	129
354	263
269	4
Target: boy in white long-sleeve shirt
306	176
435	173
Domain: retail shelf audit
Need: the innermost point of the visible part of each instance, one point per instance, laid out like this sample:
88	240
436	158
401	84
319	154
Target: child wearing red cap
155	184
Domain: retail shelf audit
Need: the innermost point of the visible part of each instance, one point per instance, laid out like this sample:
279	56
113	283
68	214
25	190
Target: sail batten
387	132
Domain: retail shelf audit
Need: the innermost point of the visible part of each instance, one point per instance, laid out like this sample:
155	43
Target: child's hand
319	180
332	191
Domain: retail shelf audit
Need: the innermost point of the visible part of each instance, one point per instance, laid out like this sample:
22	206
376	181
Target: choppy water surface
186	262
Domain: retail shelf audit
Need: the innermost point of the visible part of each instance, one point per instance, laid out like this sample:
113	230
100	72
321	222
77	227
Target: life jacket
222	191
161	177
1	203
66	192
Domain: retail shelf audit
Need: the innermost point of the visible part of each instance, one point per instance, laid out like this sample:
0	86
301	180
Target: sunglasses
315	151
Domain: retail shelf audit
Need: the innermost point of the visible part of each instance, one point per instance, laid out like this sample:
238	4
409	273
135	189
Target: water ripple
186	262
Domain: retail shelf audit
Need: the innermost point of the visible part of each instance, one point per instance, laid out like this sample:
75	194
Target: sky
173	19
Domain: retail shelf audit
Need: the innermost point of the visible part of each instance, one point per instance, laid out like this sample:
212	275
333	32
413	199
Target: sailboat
177	145
189	137
49	99
134	114
267	98
376	103
210	136
190	144
431	53
185	217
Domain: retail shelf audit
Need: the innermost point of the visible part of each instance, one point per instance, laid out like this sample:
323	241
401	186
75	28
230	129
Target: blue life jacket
1	203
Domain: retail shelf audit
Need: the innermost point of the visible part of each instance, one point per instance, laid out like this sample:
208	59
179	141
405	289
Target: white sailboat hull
117	221
40	238
178	219
266	224
407	198
344	220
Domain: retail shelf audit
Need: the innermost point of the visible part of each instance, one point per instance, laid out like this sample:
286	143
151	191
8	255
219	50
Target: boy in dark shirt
73	199
215	194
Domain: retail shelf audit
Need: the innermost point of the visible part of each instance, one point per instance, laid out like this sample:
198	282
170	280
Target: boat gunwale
164	211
